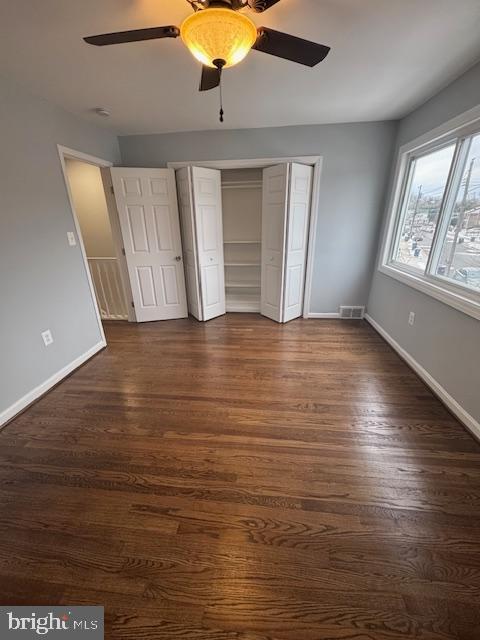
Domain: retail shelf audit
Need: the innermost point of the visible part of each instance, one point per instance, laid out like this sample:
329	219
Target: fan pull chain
221	100
219	63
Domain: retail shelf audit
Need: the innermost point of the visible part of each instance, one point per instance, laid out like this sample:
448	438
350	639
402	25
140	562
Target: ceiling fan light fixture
218	34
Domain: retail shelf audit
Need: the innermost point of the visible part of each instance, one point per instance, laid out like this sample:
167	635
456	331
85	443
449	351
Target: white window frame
435	286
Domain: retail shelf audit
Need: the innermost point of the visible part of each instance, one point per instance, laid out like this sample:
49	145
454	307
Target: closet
245	239
242	238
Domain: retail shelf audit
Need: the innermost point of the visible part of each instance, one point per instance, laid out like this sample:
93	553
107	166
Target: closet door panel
211	276
298	219
185	201
274	219
207	206
148	214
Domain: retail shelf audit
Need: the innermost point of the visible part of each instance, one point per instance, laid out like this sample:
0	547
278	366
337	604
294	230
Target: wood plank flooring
243	480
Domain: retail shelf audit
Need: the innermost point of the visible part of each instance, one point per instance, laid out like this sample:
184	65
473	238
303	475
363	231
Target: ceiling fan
219	36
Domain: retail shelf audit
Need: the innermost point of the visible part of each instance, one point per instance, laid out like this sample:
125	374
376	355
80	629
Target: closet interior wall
242	236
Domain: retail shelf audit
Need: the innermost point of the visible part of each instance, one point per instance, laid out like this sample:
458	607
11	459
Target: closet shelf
242	285
242	264
243	302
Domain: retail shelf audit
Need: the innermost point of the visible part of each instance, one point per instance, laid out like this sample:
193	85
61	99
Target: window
433	241
426	184
460	254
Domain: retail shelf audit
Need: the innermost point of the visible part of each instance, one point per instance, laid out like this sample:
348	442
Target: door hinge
111	190
123	250
133	304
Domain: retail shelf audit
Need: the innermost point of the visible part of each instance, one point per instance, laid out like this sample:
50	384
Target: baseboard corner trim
449	401
326	316
29	398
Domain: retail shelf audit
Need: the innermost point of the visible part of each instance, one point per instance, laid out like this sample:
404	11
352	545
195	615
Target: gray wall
43	282
444	341
356	164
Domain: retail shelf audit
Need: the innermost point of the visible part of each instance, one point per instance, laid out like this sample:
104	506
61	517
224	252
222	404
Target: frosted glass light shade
218	34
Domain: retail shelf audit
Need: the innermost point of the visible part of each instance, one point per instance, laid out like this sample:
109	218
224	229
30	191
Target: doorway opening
86	189
247	238
242	238
255	237
90	204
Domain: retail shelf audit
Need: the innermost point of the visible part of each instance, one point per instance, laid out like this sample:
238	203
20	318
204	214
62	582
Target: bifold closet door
201	204
285	222
296	250
146	201
274	220
189	241
207	204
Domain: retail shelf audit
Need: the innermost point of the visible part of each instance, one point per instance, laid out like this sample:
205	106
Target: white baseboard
457	410
323	315
28	398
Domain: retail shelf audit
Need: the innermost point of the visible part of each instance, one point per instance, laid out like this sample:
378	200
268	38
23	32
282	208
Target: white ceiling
388	56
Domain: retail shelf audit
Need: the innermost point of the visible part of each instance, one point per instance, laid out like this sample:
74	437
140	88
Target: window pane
460	256
426	186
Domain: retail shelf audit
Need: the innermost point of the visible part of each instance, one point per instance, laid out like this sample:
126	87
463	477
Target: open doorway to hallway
89	202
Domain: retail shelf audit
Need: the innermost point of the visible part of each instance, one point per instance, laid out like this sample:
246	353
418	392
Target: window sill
430	287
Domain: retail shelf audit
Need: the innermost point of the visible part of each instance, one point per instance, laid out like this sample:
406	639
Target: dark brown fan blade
137	35
259	6
290	47
210	78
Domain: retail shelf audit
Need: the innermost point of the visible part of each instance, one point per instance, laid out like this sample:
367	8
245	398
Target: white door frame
118	240
64	153
260	163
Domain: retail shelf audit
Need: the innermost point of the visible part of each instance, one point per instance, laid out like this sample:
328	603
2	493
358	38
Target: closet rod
243	264
244	184
242	285
242	242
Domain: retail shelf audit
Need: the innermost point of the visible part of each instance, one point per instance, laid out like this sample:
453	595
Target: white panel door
274	224
298	218
207	201
189	241
148	212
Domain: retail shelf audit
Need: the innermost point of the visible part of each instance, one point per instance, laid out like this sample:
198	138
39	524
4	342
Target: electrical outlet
47	337
411	318
71	238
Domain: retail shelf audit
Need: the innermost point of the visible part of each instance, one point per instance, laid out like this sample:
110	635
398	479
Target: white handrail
108	288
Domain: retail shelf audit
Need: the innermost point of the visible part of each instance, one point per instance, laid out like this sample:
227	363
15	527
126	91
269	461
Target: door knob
178	258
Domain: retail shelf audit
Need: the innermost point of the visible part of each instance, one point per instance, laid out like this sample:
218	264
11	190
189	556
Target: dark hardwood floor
243	480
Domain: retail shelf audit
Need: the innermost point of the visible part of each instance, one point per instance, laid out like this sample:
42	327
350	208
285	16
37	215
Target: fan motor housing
259	6
228	4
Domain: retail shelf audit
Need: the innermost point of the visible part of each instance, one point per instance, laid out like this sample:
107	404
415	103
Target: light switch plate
411	318
71	238
47	337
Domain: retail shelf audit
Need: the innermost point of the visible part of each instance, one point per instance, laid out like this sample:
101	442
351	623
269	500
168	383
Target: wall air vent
352	313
